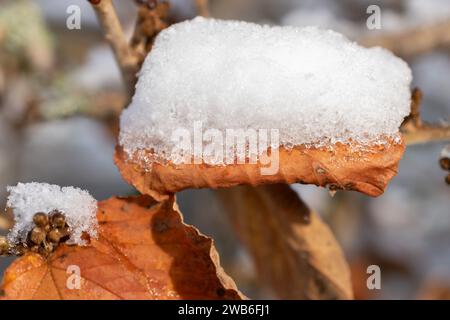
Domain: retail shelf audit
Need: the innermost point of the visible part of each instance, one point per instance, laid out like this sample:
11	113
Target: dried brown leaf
294	250
342	167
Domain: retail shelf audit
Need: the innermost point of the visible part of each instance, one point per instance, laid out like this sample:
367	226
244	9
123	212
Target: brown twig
412	42
427	134
416	102
126	58
202	7
152	16
415	131
151	19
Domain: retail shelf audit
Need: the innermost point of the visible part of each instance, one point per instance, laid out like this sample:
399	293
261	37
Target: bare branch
412	42
416	102
126	58
413	129
151	19
426	134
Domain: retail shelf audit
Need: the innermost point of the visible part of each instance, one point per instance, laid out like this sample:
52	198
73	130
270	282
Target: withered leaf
294	250
144	251
342	167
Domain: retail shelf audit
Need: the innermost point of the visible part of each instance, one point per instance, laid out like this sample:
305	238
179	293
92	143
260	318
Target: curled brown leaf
341	167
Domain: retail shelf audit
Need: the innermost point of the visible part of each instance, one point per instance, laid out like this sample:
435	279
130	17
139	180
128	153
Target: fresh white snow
315	86
78	206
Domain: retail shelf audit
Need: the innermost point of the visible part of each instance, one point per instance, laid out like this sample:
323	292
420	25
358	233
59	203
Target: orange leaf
144	251
342	168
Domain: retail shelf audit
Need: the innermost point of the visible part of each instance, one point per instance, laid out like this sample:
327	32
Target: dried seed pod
57	219
65	233
47	228
19	250
40	219
28	242
43	252
4	246
46	248
54	236
38	235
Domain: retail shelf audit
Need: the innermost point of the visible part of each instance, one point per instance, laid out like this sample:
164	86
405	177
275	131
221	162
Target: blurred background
61	94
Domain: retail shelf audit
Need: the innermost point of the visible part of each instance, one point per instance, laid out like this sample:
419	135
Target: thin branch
427	134
202	7
415	131
126	58
414	117
151	20
412	42
129	56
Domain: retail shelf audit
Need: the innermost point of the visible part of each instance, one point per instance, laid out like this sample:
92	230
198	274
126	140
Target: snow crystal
314	86
77	205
